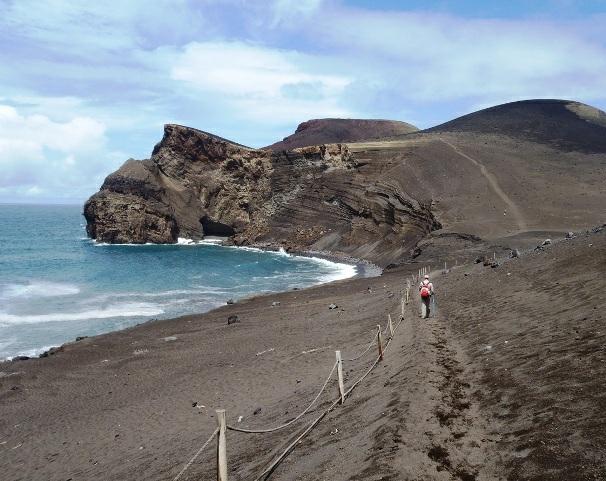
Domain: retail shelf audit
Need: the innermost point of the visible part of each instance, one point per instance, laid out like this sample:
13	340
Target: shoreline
363	269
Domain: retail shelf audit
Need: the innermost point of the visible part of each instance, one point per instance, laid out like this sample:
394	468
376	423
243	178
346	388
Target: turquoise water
55	284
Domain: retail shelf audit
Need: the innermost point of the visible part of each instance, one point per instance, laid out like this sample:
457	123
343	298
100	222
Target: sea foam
130	309
38	289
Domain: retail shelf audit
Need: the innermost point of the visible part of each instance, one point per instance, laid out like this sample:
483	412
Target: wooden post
221	447
401	309
444	266
340	375
380	342
390	324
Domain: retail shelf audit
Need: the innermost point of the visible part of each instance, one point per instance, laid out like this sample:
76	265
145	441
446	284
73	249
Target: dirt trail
494	184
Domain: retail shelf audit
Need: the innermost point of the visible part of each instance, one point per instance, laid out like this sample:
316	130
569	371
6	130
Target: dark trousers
425	303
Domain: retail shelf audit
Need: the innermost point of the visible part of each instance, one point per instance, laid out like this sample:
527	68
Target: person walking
426	291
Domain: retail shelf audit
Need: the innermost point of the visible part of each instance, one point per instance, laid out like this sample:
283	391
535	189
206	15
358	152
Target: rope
270	430
274	464
365	351
216	431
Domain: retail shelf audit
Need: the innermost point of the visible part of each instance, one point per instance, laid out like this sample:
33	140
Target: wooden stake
221	447
340	375
380	342
391	324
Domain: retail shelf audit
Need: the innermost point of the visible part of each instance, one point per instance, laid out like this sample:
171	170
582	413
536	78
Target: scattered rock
546	242
21	358
570	235
514	254
169	338
333	306
257	411
230	301
80	338
233	319
479	259
51	352
275	304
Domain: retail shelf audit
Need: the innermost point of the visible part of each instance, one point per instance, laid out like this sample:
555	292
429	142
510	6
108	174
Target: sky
86	85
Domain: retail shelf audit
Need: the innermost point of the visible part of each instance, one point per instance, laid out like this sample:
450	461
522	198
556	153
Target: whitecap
129	309
38	289
30	352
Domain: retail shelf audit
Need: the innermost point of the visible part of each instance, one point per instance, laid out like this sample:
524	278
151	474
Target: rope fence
377	339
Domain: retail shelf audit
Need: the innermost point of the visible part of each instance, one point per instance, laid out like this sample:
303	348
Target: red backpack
425	292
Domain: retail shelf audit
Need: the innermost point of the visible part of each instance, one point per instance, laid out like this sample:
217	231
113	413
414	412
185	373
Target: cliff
197	184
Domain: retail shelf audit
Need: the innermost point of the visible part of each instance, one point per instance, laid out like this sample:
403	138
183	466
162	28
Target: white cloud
261	83
40	156
437	57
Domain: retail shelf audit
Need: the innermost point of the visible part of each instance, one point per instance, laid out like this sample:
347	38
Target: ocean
55	284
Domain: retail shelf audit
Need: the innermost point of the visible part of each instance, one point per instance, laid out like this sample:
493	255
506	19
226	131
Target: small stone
333	306
570	235
514	254
275	304
257	411
169	338
546	242
233	319
80	338
230	301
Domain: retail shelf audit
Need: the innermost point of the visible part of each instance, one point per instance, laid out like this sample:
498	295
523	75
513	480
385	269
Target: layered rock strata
196	184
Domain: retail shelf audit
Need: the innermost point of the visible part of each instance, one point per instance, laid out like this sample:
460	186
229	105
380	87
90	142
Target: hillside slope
331	131
563	124
505	172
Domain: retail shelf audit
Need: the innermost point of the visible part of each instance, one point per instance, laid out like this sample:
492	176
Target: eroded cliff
319	197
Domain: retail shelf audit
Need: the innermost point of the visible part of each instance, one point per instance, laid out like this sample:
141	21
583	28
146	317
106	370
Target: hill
566	125
332	131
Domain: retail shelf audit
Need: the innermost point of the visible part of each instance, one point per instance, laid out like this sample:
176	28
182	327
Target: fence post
340	375
221	447
391	324
380	342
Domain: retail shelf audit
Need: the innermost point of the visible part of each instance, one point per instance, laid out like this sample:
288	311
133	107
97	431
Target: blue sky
84	86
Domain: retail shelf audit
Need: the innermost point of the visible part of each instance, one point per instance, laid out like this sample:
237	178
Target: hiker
426	291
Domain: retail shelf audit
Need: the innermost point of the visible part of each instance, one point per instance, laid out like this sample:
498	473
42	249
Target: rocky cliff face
319	197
